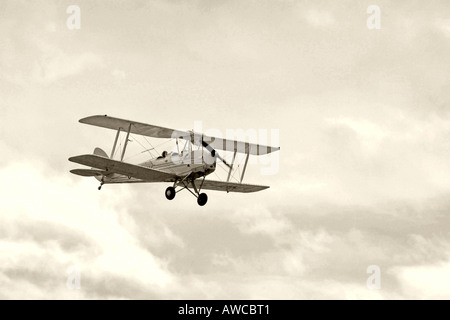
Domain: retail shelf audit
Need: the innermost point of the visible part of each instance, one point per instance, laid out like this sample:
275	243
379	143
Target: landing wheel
170	193
202	199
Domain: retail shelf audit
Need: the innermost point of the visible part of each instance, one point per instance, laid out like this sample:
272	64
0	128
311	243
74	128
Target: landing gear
202	199
170	193
101	184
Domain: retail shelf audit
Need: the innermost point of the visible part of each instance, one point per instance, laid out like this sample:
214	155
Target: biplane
185	170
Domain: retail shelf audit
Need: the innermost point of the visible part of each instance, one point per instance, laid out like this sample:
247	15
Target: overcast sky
364	168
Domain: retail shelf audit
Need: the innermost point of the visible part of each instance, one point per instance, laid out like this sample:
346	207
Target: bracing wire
149	150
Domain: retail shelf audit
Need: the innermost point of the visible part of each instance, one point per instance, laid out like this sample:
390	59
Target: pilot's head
164	154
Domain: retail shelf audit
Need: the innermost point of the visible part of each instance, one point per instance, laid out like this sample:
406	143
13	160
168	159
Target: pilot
163	155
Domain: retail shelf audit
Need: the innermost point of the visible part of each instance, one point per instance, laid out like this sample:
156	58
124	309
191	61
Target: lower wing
121	172
109	167
226	186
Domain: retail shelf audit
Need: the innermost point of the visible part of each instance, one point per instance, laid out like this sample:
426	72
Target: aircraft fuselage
198	162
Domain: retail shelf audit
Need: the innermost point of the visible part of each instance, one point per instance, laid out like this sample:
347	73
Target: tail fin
100	152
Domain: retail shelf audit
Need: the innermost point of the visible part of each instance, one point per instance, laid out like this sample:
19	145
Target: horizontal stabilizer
88	172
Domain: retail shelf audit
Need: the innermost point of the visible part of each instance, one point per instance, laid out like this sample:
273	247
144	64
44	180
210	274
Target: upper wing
237	146
126	169
136	127
227	186
161	132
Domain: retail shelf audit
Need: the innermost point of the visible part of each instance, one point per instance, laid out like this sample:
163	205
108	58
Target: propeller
214	153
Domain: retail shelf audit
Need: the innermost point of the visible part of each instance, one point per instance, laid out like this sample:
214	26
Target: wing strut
126	142
231	166
245	166
115	143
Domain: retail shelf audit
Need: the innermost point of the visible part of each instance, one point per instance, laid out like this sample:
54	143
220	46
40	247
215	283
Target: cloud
429	281
363	179
377	159
258	219
54	64
128	249
49	224
118	74
319	18
45	63
369	133
443	26
38	47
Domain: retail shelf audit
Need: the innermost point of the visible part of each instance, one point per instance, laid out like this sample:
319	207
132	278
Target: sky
362	180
